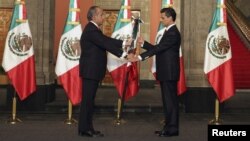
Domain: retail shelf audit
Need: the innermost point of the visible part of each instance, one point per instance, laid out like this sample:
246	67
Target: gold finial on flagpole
125	7
221	24
216	120
168	5
21	20
73	23
70	120
14	119
221	6
74	10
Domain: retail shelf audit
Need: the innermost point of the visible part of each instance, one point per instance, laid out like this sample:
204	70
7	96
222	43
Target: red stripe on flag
221	79
129	10
77	13
171	2
224	15
119	76
72	84
181	85
23	78
24	12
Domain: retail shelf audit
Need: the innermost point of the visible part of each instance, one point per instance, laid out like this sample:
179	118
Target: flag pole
70	120
120	104
133	49
14	119
216	120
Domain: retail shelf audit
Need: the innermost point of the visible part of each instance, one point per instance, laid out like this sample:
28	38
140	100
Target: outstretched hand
132	57
140	40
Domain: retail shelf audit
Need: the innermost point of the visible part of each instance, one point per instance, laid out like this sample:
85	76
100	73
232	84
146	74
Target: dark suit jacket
93	59
167	55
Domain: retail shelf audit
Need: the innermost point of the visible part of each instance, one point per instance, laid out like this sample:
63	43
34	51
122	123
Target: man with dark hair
167	69
93	62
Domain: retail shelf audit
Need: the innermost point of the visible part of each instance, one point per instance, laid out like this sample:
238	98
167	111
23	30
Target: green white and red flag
117	67
18	57
218	55
67	64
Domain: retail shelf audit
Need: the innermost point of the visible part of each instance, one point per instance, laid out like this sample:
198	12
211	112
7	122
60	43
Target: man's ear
93	17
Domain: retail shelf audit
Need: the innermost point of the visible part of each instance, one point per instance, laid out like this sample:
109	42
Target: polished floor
136	127
141	117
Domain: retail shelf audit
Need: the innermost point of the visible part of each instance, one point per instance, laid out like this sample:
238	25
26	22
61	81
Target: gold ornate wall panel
5	20
107	28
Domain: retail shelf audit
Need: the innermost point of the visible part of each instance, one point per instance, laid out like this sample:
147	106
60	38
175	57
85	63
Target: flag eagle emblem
20	43
71	48
219	46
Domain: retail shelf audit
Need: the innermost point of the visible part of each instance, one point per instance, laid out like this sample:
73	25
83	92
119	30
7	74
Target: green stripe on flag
120	23
69	26
15	16
216	18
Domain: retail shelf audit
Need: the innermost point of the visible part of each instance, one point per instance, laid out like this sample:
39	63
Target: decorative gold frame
5	20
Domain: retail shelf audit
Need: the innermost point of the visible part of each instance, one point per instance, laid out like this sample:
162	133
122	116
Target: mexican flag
117	67
182	81
218	62
18	57
67	64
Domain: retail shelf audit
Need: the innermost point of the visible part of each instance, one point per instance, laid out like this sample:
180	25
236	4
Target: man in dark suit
167	69
93	62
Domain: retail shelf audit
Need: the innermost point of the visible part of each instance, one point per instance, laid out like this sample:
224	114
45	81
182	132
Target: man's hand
140	41
132	57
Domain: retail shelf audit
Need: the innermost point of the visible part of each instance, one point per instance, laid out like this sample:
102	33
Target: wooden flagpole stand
13	119
216	120
70	120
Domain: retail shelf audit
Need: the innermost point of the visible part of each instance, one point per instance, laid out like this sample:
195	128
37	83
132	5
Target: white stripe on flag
64	63
20	11
212	62
12	60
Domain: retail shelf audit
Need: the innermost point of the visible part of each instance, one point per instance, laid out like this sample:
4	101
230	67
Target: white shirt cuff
142	45
123	44
139	57
124	54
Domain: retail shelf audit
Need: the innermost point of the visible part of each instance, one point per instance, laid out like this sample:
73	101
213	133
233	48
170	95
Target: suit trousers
170	105
89	89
